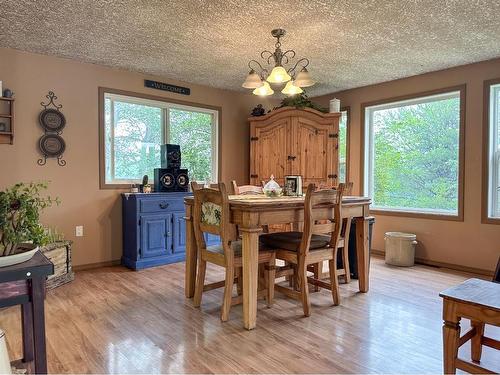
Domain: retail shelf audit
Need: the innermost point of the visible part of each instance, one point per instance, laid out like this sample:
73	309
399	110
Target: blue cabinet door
212	239
156	235
179	233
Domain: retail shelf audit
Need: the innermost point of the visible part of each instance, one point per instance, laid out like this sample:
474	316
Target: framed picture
293	185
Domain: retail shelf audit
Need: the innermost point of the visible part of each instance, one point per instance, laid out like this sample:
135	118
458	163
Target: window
414	153
343	147
493	161
135	128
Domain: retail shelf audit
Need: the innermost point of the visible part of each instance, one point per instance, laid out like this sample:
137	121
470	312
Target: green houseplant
20	227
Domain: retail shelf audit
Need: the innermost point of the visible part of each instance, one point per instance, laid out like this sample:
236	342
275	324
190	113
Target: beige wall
76	84
468	243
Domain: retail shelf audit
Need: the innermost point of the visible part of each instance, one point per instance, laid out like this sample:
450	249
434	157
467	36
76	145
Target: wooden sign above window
167	87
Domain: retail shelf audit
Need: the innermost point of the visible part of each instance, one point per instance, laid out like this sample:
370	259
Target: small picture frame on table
293	186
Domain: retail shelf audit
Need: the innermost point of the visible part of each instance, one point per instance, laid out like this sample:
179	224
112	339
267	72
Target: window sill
490	220
419	215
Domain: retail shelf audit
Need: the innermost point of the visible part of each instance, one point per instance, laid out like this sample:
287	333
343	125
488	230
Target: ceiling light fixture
259	77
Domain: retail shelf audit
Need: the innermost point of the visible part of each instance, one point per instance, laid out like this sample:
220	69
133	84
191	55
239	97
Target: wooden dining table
250	213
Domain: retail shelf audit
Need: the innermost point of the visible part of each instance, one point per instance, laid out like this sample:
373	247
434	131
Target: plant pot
24	252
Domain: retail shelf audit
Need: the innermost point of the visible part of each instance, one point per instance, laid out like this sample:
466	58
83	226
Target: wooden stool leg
270	279
318	269
334	280
228	293
476	345
301	272
451	337
345	261
239	284
200	282
27	326
40	350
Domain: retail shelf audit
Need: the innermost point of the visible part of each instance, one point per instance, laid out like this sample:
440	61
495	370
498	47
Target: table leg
250	248
191	255
363	253
27	329
37	297
451	337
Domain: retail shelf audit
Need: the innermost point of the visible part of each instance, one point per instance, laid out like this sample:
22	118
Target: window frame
486	169
459	216
346	109
169	103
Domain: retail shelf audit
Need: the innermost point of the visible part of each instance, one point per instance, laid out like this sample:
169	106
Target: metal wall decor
52	121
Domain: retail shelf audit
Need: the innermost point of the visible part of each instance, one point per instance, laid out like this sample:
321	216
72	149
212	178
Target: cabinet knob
163	205
168	234
332	176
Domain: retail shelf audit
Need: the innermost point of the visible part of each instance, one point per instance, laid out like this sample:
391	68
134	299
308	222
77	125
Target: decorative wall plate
52	120
52	145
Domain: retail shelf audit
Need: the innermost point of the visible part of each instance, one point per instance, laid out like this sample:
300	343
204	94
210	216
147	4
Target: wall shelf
7	109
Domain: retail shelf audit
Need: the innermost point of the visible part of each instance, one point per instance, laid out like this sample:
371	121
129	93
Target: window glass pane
134	143
107	138
494	171
193	132
415	162
343	147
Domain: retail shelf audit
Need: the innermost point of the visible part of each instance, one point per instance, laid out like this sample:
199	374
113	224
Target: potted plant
20	229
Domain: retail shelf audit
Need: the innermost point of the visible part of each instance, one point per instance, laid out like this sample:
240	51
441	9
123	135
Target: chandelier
293	78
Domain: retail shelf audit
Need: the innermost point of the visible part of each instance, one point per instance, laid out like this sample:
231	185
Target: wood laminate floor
112	320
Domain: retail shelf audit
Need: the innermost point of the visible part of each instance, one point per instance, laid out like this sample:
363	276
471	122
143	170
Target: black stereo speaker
170	156
171	179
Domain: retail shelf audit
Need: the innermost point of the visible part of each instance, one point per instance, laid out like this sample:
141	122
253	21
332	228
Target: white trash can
400	249
4	356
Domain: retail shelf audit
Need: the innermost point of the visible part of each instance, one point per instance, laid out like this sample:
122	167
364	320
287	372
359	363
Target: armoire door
314	149
269	150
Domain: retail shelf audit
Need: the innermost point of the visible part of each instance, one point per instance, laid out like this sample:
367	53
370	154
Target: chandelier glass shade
291	89
263	90
273	69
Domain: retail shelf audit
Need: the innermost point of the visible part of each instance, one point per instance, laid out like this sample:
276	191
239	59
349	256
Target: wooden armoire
291	141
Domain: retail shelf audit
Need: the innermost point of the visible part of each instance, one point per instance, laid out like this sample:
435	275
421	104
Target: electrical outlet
79	231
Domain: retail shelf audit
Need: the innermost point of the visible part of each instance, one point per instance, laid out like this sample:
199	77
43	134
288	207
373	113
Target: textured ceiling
349	43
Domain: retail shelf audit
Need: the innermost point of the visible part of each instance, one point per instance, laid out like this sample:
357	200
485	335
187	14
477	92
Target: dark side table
24	284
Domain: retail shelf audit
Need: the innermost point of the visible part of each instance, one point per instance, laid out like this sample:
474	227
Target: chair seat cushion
236	245
291	241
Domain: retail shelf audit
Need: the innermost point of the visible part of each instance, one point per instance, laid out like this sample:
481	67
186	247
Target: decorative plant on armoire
21	232
301	101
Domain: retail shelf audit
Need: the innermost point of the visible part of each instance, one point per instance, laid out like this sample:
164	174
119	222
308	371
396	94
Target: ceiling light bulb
264	90
304	79
252	81
290	89
278	75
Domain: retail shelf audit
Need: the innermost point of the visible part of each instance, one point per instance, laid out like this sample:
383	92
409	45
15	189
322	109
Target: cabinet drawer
160	205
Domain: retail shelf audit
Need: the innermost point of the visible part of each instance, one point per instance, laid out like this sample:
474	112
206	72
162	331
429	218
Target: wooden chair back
195	186
496	276
347	187
323	222
211	215
246	189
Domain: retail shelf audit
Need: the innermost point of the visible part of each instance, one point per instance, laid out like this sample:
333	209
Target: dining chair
246	189
196	185
211	215
316	243
345	271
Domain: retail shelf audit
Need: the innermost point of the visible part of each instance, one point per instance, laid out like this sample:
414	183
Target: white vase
334	105
10	260
4	356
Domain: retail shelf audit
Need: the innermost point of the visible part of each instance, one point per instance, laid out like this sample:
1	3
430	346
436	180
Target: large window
492	99
413	154
135	128
343	145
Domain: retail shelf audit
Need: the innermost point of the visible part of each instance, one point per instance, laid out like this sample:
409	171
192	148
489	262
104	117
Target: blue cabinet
154	230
